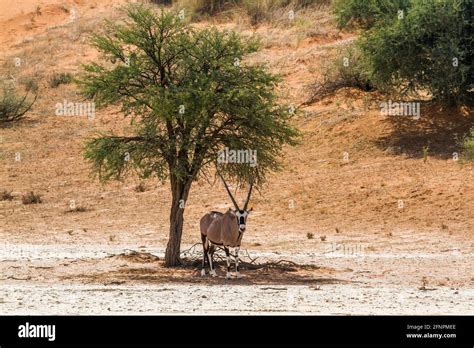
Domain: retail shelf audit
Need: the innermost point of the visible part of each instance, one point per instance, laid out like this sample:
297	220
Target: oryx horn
248	196
228	191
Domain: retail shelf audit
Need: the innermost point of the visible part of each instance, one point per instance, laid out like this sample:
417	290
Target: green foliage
418	52
366	13
13	107
468	146
59	79
426	151
349	69
189	94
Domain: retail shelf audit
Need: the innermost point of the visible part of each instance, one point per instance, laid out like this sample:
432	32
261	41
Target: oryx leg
210	251
205	246
227	253
237	269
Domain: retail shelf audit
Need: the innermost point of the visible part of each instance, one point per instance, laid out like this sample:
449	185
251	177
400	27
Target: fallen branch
193	258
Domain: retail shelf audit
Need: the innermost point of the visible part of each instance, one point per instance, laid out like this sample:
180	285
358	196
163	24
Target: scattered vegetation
59	79
29	83
6	195
309	235
13	106
468	146
256	10
426	151
31	198
77	209
140	187
211	7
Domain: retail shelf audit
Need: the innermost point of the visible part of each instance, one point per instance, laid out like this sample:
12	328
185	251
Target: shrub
60	79
140	187
13	107
366	13
468	146
257	11
429	49
349	69
6	196
31	198
29	83
212	7
419	52
263	10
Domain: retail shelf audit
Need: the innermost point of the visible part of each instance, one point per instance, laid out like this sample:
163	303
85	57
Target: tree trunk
179	190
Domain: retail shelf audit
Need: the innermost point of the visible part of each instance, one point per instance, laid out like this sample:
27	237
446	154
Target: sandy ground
384	232
226	299
61	279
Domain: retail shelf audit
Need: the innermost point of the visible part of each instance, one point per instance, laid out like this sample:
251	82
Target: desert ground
361	220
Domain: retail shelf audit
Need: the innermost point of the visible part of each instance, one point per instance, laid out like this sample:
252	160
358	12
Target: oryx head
240	214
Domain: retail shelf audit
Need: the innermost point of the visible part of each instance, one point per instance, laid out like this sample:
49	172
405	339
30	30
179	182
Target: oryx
226	230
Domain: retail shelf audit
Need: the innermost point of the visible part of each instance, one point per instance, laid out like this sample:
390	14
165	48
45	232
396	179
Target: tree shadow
298	275
437	133
145	268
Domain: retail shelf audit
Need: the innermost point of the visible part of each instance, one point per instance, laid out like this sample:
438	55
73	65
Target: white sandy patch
217	299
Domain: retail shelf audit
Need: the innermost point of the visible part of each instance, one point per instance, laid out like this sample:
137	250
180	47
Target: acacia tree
188	95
